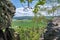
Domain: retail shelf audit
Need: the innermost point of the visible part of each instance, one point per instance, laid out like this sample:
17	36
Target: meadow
28	29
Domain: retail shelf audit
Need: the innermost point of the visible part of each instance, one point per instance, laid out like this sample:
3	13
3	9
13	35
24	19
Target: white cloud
23	12
28	12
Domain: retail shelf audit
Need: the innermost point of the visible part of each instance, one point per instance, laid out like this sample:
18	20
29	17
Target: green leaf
22	1
58	1
35	10
30	1
49	11
41	3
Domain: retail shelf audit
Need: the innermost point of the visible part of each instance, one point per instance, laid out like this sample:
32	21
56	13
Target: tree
28	1
55	7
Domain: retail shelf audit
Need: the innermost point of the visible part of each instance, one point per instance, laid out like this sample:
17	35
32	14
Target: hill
23	18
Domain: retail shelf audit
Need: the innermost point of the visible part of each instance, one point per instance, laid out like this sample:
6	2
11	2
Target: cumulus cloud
23	12
28	12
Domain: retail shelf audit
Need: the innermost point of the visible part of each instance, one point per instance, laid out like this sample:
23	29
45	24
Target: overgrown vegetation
28	30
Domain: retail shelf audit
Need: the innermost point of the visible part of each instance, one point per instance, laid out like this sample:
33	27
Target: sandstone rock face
7	10
53	33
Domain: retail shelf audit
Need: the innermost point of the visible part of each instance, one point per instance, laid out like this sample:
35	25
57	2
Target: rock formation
52	33
7	11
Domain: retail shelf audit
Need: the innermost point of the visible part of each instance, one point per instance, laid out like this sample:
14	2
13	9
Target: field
26	23
28	29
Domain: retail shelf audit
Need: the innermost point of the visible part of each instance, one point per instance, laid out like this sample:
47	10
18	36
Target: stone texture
52	33
7	10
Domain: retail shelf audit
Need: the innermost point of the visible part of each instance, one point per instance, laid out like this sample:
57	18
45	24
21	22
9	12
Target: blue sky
18	4
20	8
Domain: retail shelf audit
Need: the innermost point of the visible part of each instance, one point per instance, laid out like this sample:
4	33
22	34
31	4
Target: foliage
30	32
37	7
36	10
54	8
27	23
22	1
40	2
58	1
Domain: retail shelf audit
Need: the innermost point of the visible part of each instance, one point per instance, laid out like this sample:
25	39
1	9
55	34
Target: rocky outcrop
52	33
7	10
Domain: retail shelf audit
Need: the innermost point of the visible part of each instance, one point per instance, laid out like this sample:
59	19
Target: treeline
29	17
23	17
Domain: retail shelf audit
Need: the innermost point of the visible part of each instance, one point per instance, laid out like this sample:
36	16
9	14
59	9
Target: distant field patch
26	23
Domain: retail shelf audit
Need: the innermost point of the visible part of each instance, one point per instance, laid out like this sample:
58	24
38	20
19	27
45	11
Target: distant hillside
23	17
31	17
28	17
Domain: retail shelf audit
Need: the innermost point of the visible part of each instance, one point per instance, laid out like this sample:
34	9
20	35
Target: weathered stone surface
52	33
7	10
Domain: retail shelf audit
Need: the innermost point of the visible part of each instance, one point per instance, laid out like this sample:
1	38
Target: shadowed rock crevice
52	32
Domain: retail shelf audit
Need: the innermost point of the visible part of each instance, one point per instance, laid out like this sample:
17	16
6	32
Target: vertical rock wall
7	10
53	33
